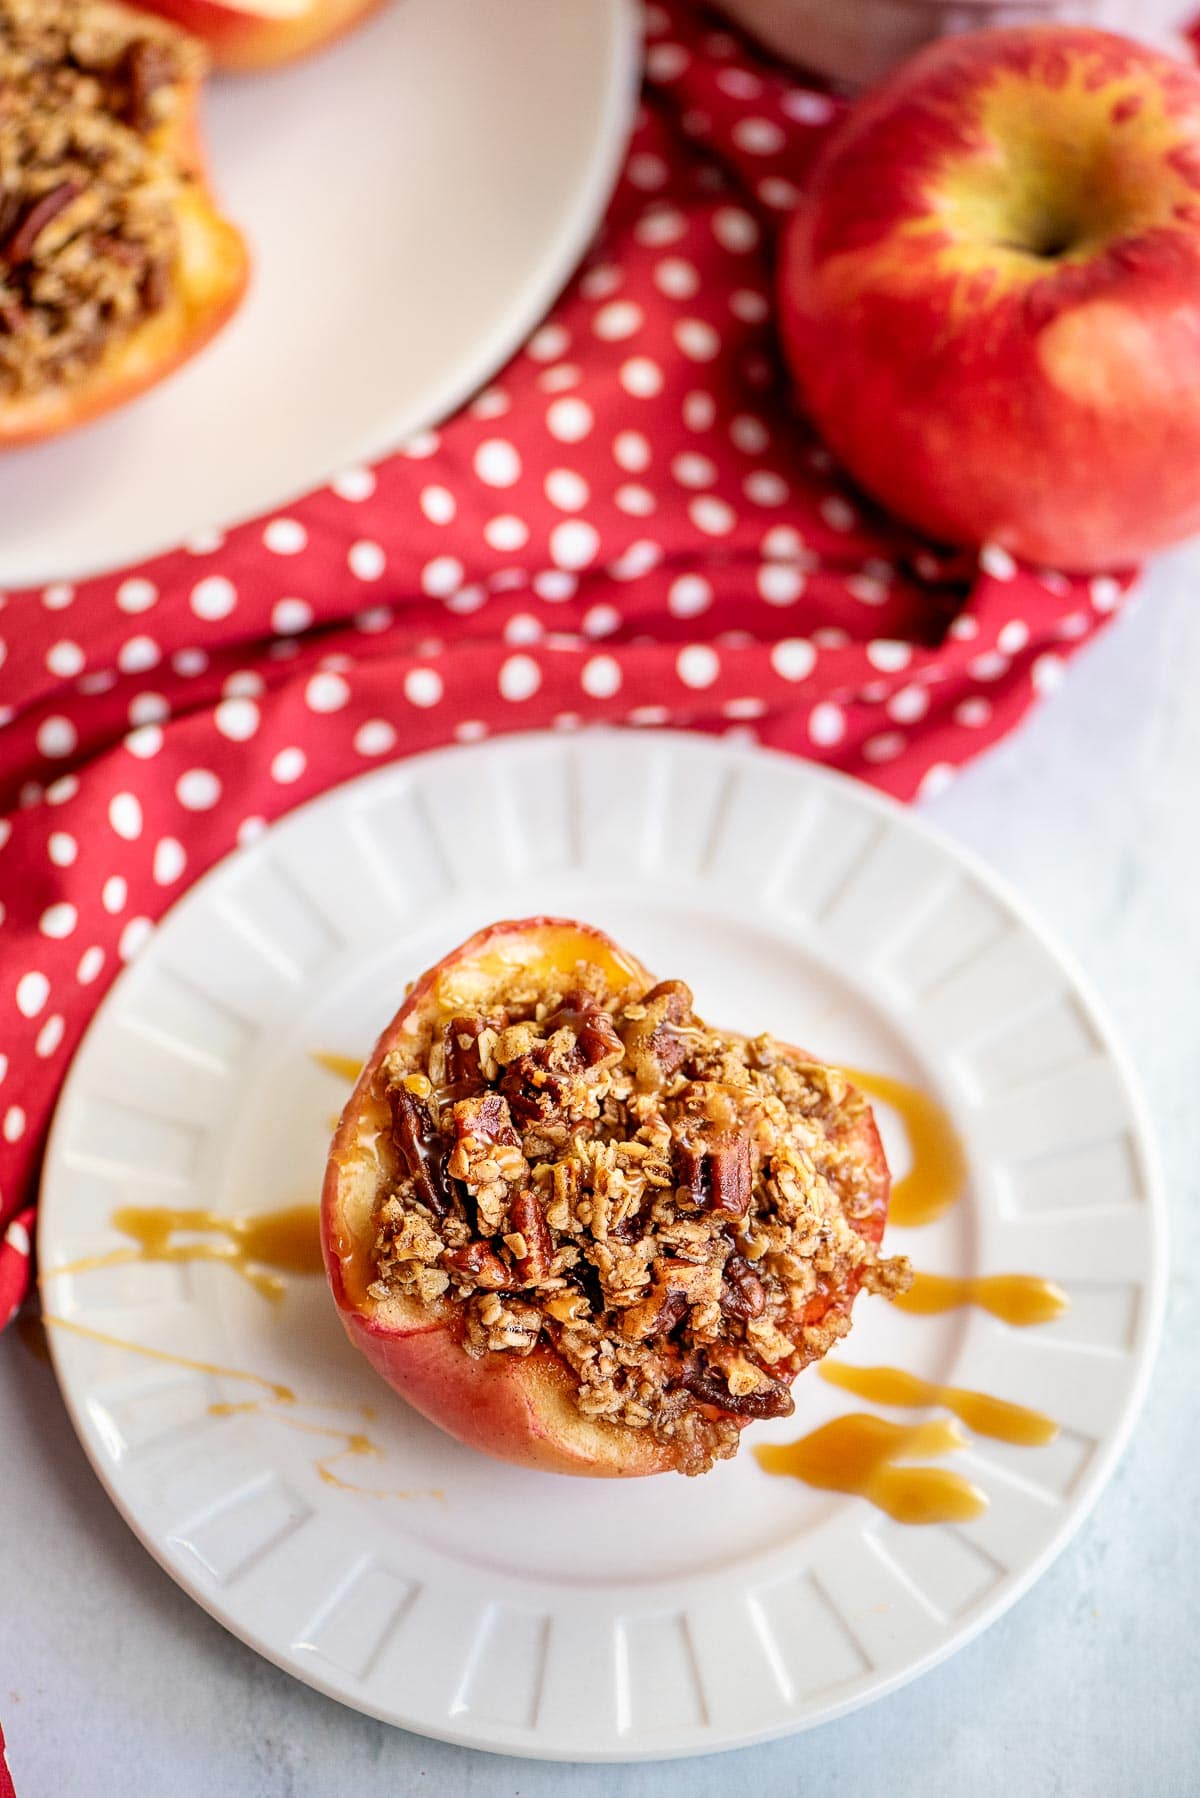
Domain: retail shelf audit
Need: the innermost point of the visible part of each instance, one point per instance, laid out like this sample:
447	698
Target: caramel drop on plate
346	1067
282	1395
938	1176
858	1455
1019	1299
987	1416
287	1241
259	1248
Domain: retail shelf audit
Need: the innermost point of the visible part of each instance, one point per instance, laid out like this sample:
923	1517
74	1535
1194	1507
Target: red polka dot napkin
631	524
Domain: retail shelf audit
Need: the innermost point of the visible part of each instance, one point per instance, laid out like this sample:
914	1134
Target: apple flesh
207	285
260	34
990	298
518	1410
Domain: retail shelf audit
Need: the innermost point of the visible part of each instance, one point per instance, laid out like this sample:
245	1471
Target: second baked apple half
115	263
582	1230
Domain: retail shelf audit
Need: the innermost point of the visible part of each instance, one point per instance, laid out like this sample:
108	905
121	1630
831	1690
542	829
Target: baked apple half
582	1230
115	265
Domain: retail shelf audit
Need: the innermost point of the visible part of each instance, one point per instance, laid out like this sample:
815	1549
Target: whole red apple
991	296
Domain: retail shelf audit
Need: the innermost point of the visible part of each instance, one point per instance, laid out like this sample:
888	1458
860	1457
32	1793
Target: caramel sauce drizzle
346	1067
938	1176
353	1443
859	1454
288	1241
280	1395
985	1415
1018	1299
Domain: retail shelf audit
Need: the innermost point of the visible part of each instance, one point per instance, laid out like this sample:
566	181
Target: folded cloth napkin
631	525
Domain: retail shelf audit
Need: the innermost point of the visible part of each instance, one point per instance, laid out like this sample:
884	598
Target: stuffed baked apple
114	263
580	1229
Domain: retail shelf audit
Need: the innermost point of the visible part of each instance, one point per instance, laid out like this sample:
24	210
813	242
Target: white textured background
114	1685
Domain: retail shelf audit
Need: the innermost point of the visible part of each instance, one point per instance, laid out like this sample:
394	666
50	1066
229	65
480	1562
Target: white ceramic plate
525	1612
413	198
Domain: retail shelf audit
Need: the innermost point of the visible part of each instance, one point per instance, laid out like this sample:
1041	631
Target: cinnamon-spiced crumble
88	188
670	1208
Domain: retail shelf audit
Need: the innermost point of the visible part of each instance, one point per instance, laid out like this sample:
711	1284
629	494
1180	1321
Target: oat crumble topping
670	1208
88	236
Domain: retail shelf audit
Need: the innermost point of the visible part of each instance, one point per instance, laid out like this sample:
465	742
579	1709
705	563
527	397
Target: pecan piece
537	1085
595	1034
23	239
529	1220
487	1119
534	1090
10	211
464	1071
155	290
149	66
716	1173
656	1042
487	1158
655	1315
709	1387
742	1292
421	1150
546	1081
478	1264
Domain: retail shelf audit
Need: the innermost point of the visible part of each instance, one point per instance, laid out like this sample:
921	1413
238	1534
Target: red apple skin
982	381
518	1411
208	286
521	1411
241	39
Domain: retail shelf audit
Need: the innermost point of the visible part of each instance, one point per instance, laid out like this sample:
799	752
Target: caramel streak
857	1454
1018	1299
287	1241
985	1415
325	1472
354	1442
282	1395
346	1067
939	1172
254	1408
270	1286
